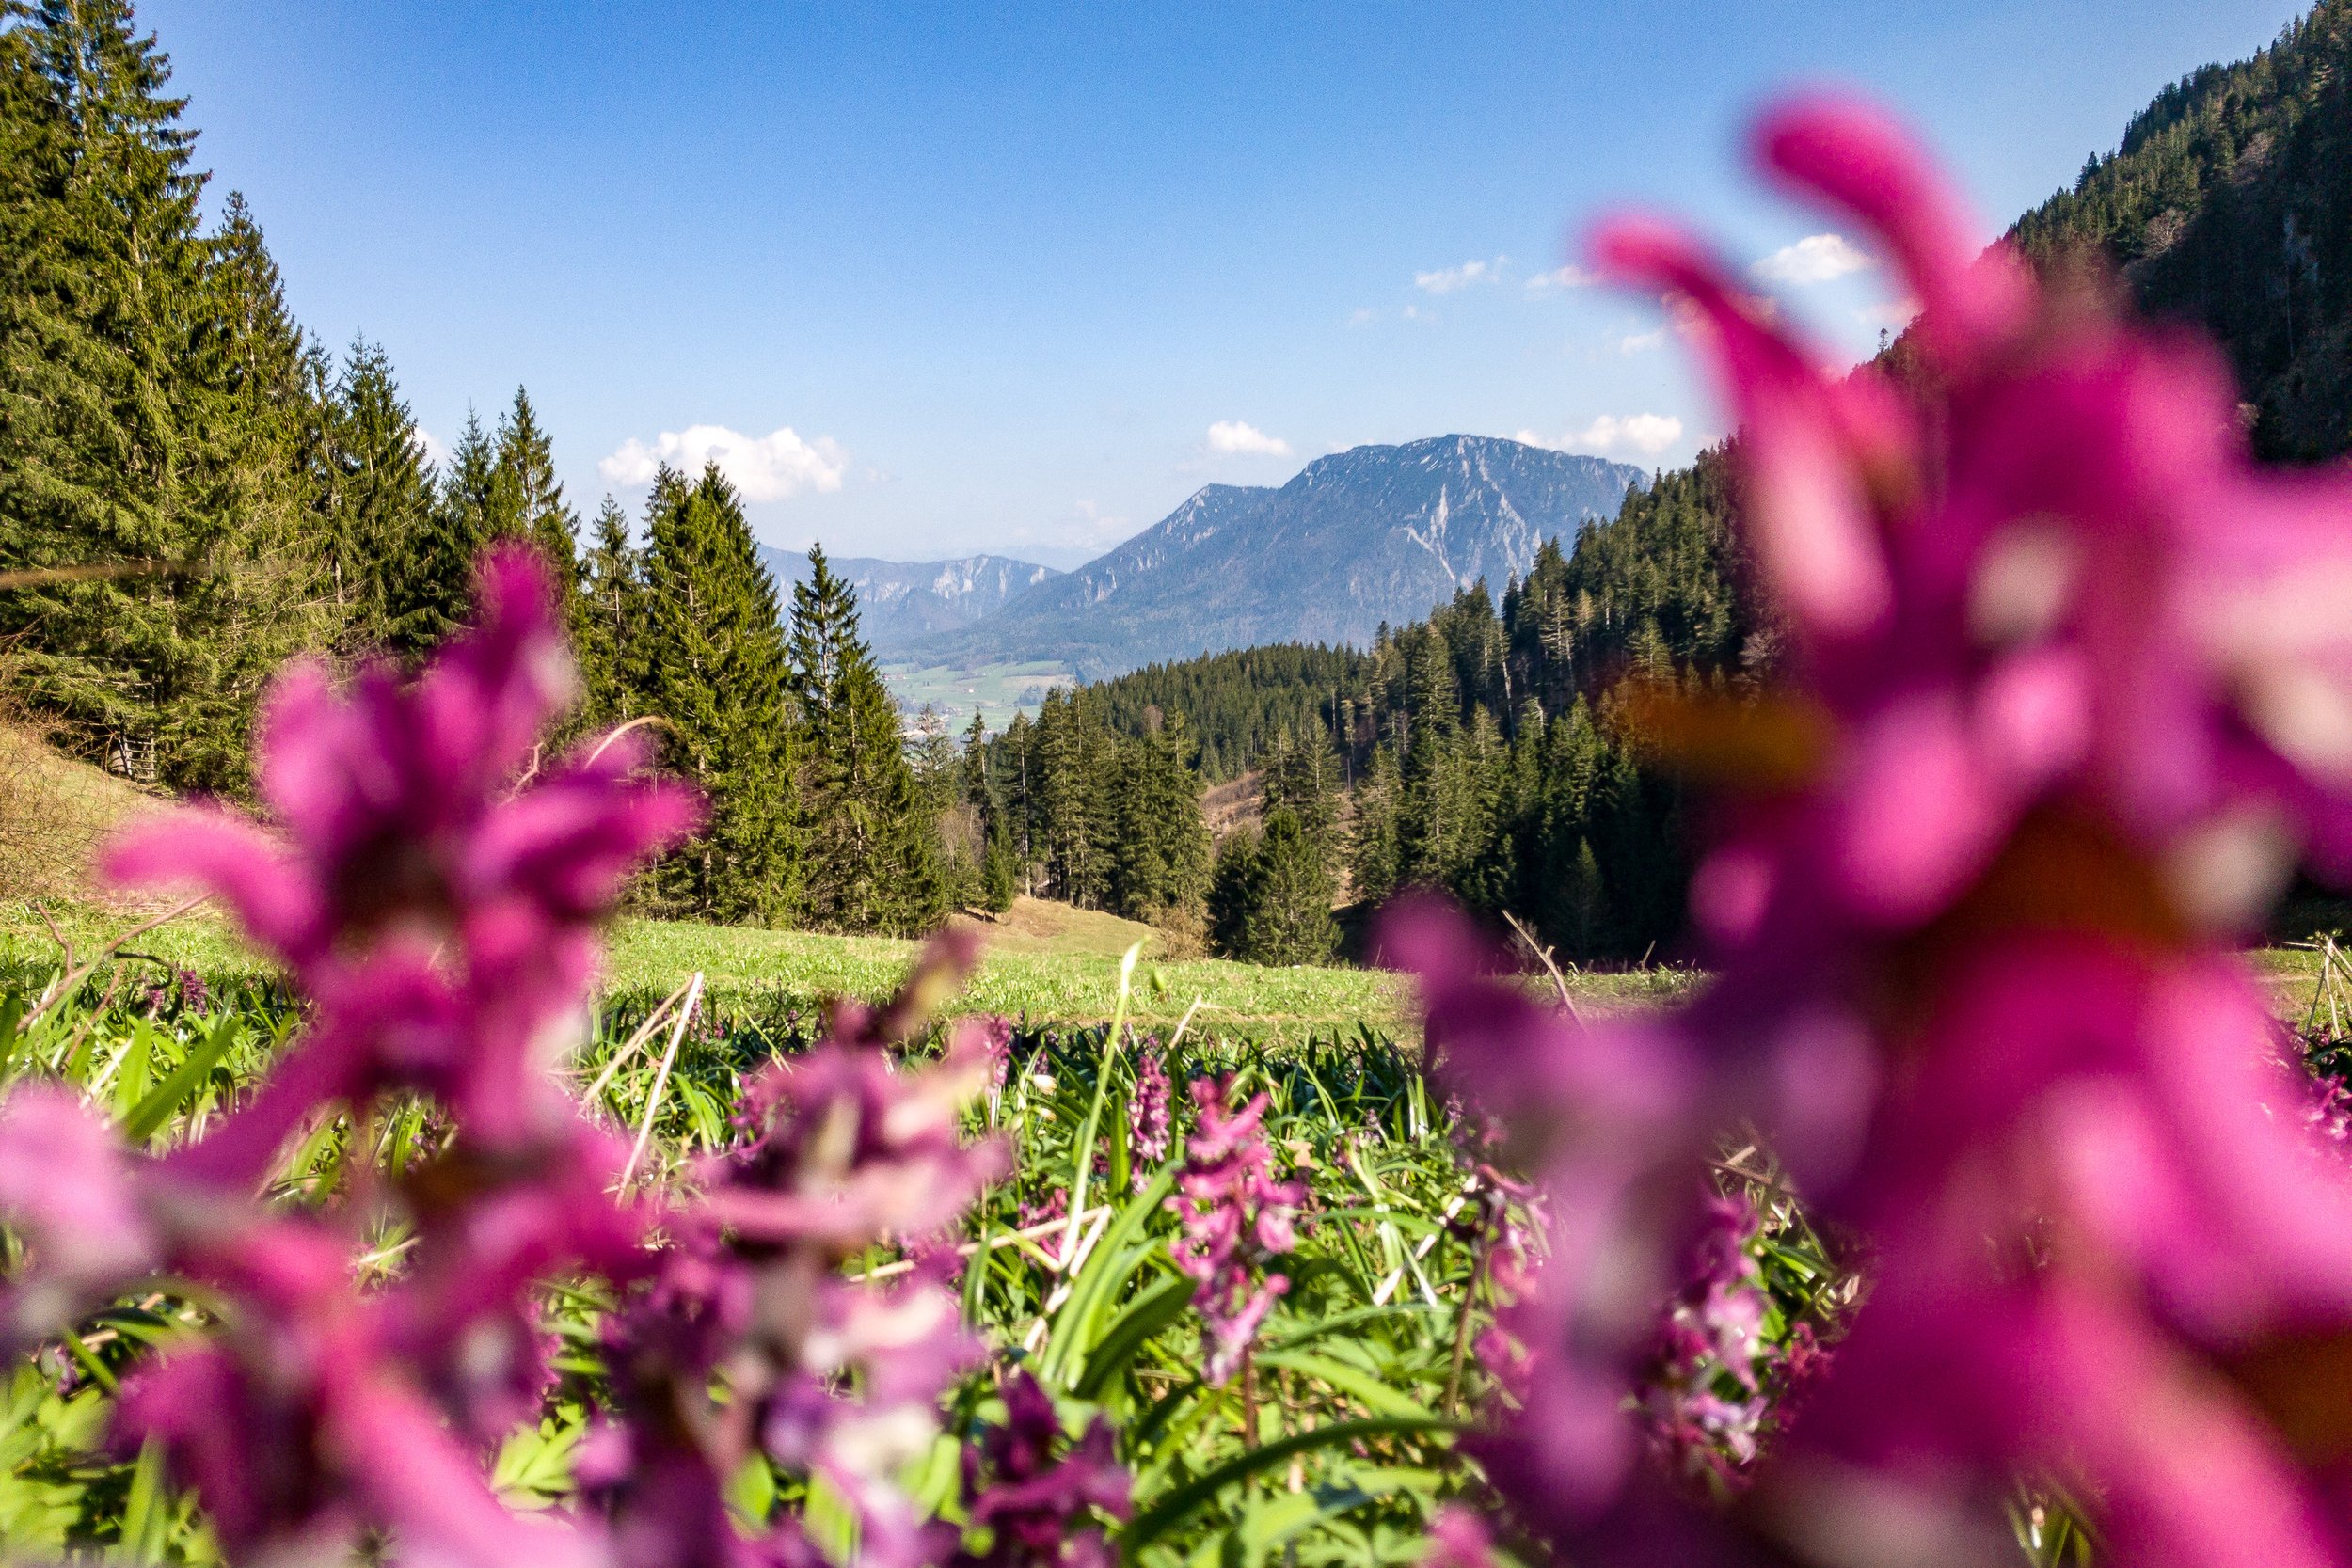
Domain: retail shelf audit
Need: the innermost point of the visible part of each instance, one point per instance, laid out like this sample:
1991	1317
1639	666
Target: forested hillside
2229	204
1478	746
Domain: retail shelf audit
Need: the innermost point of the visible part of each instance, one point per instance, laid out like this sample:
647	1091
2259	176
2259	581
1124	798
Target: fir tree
873	861
611	609
380	517
531	498
111	450
710	652
1270	902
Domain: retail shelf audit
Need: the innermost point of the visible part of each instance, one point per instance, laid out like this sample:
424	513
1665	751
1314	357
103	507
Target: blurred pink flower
442	921
2067	696
1039	1506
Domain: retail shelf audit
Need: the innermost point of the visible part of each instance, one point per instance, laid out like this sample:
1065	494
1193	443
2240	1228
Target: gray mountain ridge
899	601
1372	534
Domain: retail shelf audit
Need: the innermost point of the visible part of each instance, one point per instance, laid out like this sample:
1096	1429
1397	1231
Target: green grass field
1045	961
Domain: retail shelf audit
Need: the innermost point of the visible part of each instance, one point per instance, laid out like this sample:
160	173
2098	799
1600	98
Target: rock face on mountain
1367	535
899	601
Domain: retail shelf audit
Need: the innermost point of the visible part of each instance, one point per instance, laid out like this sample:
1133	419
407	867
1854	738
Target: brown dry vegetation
53	811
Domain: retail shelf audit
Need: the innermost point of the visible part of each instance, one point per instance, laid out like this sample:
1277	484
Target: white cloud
1814	259
1638	342
1445	281
1613	435
765	468
1570	277
435	450
1233	437
1364	316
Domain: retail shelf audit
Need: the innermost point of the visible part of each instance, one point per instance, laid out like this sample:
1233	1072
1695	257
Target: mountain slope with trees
2228	204
1367	536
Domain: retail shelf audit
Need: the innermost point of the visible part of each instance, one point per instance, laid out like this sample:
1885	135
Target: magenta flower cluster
1151	1116
1237	1219
442	918
1037	1507
1703	1396
2066	701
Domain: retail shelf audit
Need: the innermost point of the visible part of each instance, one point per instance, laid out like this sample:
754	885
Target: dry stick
1544	954
1184	1022
59	938
63	986
74	1041
619	729
1248	1399
1482	1249
1002	1238
661	1079
652	1021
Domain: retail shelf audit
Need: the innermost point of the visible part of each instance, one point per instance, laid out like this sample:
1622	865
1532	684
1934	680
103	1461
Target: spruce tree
711	654
611	606
264	602
873	845
1158	846
381	521
1287	918
110	438
531	498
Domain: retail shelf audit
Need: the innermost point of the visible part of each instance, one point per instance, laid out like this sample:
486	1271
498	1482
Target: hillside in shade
1363	537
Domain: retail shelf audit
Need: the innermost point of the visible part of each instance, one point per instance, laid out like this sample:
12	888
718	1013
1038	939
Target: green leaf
1178	1505
1134	1326
181	1083
1108	1269
1361	1384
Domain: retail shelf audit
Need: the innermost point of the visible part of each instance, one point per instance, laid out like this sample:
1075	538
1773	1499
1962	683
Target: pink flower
1236	1217
838	1149
442	922
842	1147
1040	1508
1149	1118
66	1188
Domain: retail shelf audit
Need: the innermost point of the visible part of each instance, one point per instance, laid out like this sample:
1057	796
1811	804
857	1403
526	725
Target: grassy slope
53	811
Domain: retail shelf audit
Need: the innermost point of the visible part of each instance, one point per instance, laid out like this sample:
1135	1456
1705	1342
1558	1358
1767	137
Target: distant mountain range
900	601
1368	535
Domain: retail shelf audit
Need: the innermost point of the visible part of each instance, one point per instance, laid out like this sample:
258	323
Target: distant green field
996	691
1046	963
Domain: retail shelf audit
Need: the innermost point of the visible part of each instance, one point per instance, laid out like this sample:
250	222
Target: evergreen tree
611	608
381	522
710	652
116	450
1158	844
872	860
1271	897
531	499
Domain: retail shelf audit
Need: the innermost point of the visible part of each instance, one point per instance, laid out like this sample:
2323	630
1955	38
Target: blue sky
942	279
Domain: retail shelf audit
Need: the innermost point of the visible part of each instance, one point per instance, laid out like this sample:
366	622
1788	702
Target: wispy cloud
1232	437
1570	277
764	467
1614	434
1446	280
1814	259
1639	342
435	450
